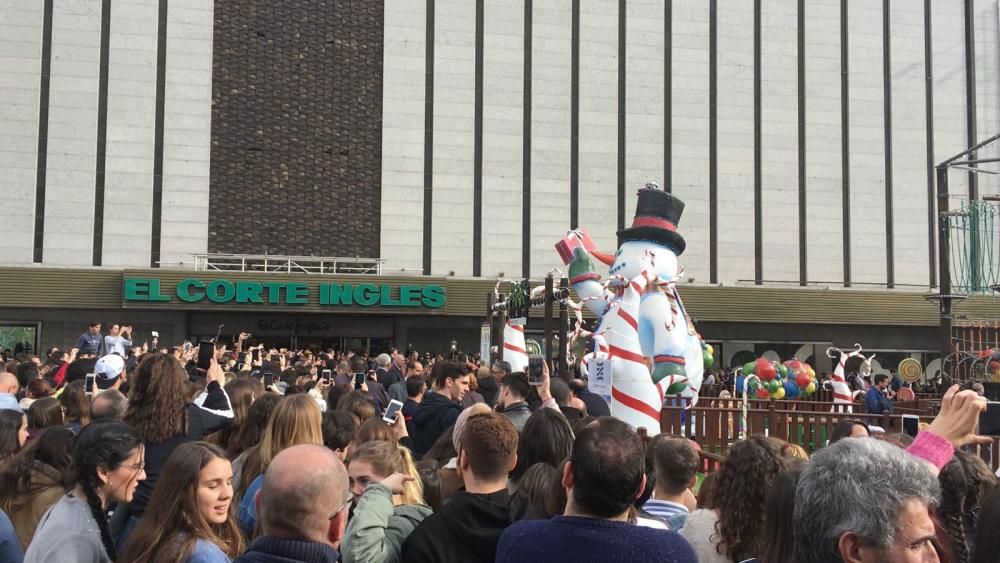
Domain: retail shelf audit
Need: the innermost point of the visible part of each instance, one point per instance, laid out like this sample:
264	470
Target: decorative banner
484	344
910	370
599	378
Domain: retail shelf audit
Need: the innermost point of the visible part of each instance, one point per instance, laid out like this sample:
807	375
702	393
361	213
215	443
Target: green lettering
185	294
154	291
228	291
324	294
387	300
366	295
297	293
273	292
341	294
433	296
136	289
248	292
409	295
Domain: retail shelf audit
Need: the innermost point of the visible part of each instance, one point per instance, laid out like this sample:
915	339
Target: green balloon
783	370
749	367
753	386
773	385
709	360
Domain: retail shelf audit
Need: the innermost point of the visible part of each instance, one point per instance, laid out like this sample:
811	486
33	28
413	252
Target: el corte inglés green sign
243	292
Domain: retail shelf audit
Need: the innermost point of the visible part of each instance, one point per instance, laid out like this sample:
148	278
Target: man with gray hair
302	507
383	374
108	405
862	500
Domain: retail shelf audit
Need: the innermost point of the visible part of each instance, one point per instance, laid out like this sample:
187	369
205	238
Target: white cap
109	368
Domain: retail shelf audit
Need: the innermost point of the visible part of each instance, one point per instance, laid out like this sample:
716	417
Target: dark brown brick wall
296	127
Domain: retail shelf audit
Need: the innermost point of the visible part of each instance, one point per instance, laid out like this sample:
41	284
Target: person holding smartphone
118	340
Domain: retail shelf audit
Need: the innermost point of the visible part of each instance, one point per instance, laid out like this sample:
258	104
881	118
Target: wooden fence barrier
716	428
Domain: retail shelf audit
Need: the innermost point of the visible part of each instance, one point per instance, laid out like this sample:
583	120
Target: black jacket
467	529
437	412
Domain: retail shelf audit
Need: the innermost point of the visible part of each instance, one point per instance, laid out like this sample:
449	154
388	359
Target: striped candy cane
634	397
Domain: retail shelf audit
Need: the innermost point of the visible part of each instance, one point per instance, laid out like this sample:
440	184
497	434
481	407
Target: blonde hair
387	458
296	420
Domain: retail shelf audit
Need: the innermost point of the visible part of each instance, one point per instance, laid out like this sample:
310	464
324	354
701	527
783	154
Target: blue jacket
10	548
266	549
876	402
247	513
207	552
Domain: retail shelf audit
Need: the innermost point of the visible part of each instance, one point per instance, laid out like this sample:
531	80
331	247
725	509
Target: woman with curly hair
160	412
194	518
35	479
730	528
107	467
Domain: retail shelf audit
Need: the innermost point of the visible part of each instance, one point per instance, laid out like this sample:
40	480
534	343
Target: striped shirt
664	509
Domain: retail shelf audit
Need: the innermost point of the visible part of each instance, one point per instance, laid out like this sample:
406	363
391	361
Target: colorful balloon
749	368
791	389
803	380
779	394
763	393
766	370
811	388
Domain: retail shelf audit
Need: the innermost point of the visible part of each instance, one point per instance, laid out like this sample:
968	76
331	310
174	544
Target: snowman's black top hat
656	216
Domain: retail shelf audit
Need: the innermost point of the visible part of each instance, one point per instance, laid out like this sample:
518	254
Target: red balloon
763	393
803	380
765	370
794	364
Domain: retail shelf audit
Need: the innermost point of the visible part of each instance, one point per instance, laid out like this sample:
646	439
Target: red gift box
575	239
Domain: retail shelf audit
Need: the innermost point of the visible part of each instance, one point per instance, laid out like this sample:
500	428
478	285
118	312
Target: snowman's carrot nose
604	257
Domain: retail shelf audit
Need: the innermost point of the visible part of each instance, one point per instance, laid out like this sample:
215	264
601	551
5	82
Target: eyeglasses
136	466
350	497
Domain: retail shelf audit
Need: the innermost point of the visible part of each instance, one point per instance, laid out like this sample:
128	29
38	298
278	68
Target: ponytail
413	491
107	445
387	458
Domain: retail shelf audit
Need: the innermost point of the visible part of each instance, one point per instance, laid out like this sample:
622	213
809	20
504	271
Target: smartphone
390	412
206	351
326	374
989	420
187	346
89	381
359	379
255	354
535	369
155	334
268	379
911	425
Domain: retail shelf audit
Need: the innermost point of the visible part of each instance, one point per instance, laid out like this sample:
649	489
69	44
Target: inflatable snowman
674	355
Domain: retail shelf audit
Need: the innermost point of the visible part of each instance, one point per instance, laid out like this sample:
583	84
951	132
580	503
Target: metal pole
547	321
944	262
563	322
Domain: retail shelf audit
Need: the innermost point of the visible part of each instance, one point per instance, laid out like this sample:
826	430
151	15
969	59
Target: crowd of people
116	452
